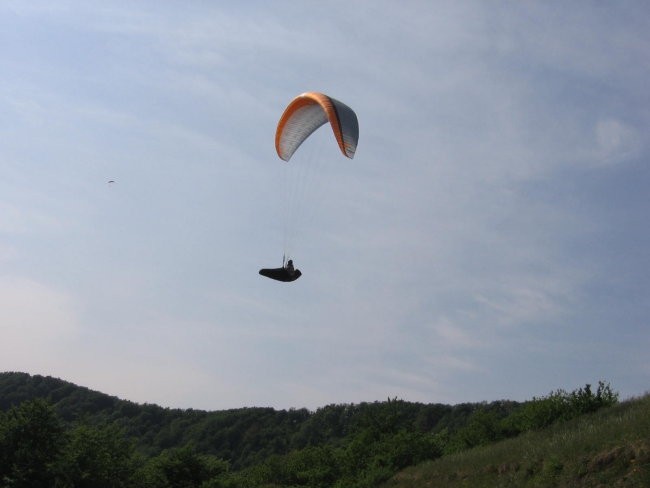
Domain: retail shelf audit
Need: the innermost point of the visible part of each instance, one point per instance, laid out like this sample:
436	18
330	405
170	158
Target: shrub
560	405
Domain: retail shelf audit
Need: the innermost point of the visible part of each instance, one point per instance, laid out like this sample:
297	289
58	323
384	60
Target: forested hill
72	402
245	436
60	434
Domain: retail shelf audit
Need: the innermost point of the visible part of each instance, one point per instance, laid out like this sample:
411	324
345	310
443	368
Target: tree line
46	439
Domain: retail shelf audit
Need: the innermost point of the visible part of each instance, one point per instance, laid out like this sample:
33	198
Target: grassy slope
609	448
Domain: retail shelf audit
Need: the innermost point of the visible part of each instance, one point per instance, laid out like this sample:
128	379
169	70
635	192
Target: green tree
97	458
181	467
483	427
583	400
315	467
31	438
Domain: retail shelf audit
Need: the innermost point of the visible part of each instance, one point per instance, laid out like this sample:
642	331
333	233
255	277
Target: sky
488	241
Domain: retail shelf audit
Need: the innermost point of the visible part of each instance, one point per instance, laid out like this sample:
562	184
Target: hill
227	434
66	435
244	437
607	448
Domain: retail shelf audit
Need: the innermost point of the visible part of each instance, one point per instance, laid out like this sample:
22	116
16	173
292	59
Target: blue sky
489	240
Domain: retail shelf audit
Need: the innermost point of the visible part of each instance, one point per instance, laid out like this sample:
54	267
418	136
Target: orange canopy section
306	113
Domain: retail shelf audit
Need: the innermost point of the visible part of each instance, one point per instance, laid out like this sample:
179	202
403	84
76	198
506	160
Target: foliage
610	447
560	405
55	434
97	457
29	445
180	468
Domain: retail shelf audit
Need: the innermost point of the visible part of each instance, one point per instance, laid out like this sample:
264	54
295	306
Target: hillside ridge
610	447
348	445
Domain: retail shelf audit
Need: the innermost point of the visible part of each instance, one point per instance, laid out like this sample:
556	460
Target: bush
560	405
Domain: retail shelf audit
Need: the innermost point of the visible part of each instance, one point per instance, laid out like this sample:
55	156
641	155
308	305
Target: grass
610	448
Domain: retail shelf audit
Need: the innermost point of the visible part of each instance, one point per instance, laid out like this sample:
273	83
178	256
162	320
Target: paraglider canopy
306	113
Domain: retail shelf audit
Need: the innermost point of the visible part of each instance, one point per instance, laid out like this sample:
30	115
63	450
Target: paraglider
302	117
